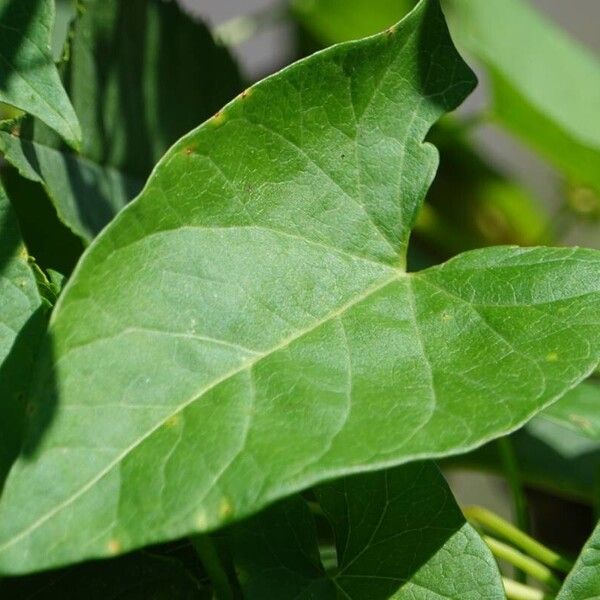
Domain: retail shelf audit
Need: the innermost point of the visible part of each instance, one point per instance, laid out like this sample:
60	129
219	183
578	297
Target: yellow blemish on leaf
581	422
201	521
225	508
114	546
246	93
172	422
552	357
218	119
447	316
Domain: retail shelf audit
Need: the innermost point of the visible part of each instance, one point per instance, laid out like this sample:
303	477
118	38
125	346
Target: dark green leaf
28	78
138	576
398	534
21	325
583	582
141	74
47	238
246	328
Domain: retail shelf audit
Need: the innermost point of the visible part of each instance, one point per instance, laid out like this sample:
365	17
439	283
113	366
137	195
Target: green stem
517	591
209	556
498	526
527	564
513	477
519	503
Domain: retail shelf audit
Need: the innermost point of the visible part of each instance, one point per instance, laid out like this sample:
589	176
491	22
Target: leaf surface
535	98
28	78
246	328
141	74
583	582
398	534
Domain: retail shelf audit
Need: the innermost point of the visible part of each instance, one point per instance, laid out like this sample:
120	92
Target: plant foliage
245	354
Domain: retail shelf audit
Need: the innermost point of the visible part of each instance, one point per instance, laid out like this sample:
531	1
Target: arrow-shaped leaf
246	328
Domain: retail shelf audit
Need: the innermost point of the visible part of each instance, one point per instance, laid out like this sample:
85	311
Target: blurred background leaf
140	74
28	78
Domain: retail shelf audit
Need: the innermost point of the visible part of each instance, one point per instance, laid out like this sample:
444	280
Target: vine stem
519	503
523	562
517	591
209	556
496	525
513	478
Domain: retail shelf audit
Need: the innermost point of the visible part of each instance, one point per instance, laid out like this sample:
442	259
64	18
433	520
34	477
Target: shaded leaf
535	98
141	73
398	534
138	576
28	78
48	240
254	331
583	582
21	325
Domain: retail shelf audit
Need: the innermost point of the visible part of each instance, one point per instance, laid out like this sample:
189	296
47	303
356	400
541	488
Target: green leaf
579	409
138	576
583	582
550	457
21	325
558	450
141	74
398	534
28	78
533	98
551	99
246	328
